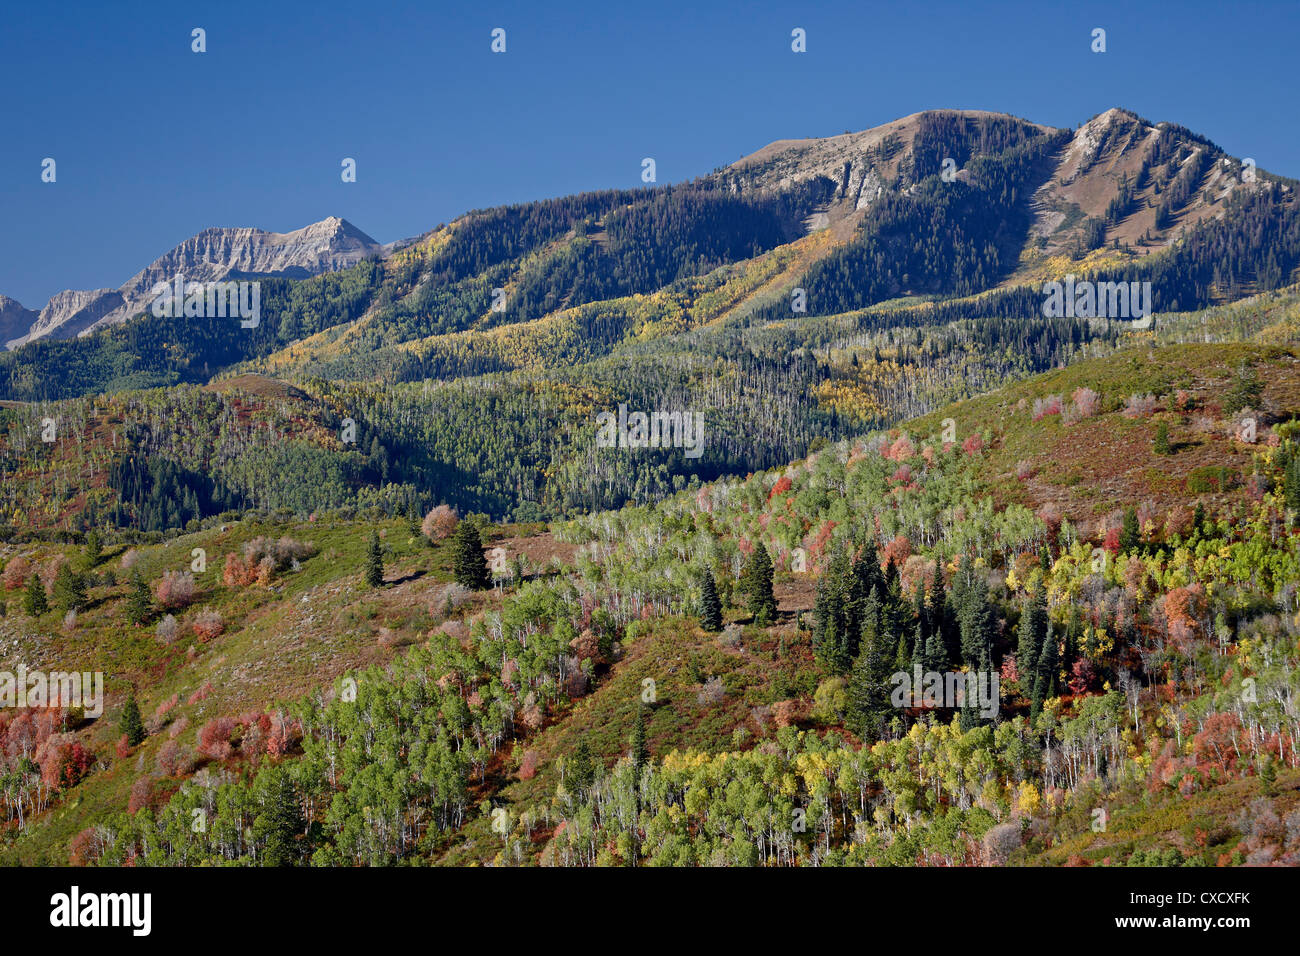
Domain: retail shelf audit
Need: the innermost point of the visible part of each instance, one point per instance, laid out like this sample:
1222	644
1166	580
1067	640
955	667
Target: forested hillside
708	679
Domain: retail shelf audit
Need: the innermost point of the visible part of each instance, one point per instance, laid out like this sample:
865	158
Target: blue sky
154	143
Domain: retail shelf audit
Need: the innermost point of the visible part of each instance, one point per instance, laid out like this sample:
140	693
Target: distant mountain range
942	205
218	253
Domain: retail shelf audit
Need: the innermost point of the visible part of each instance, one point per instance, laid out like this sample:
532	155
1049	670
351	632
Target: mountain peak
215	253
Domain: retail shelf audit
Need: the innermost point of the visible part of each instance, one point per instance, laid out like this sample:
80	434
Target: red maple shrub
215	741
208	625
16	573
176	590
783	484
1086	402
142	795
439	523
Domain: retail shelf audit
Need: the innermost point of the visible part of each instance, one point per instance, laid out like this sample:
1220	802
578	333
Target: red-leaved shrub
439	523
176	590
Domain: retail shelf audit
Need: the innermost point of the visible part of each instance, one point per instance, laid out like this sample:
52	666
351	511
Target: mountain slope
15	320
475	702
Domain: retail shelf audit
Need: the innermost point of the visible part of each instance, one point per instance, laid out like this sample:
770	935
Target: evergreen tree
375	561
869	620
580	769
1161	446
939	613
469	563
920	612
1268	777
1291	483
977	627
94	550
640	751
1073	639
902	654
866	575
936	655
1245	392
277	827
69	588
710	606
869	687
830	615
895	612
1045	671
139	603
130	724
1130	535
34	602
1033	625
891	577
756	585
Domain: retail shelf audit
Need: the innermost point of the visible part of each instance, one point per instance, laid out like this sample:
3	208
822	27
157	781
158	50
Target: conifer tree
580	769
1291	482
831	615
375	561
1161	444
902	654
936	655
69	589
975	621
281	821
869	619
710	606
131	725
869	688
1045	676
939	613
756	585
1073	637
865	574
1268	777
1245	392
640	751
469	563
1033	623
94	550
1129	535
34	602
139	603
